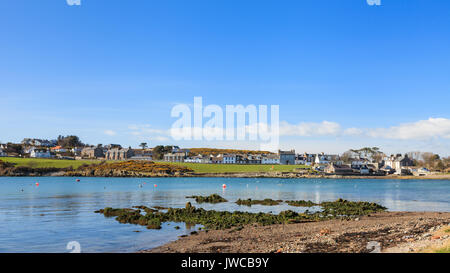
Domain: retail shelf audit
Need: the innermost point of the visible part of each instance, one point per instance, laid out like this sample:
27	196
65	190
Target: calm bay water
45	218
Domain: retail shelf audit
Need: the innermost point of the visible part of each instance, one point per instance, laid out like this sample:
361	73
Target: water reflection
45	218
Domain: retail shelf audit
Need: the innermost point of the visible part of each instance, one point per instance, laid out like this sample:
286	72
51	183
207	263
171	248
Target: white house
38	142
194	159
3	153
364	169
358	163
270	159
305	159
398	162
175	157
38	153
142	158
28	150
323	159
320	159
301	160
199	159
76	151
229	159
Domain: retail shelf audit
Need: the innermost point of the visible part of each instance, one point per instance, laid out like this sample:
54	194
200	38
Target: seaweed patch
213	199
211	219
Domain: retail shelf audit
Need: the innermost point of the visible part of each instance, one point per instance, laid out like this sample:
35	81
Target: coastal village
363	162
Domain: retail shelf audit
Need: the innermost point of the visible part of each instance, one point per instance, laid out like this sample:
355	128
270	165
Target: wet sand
392	230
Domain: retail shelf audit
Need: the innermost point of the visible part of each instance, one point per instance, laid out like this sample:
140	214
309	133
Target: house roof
341	167
286	152
175	154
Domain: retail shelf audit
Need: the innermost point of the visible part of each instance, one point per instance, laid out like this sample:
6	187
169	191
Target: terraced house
175	157
229	159
92	152
40	153
270	159
119	154
398	162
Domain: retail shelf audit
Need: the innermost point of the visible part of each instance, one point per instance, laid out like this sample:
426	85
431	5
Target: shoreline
283	175
289	175
394	231
132	168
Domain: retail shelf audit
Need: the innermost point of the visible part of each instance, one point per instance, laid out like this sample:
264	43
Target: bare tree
347	156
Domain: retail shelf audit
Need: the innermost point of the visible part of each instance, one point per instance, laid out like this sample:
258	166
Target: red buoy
78	180
155	186
37	184
224	186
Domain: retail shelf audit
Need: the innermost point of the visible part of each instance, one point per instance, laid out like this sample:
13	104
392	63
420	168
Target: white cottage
270	159
40	153
229	159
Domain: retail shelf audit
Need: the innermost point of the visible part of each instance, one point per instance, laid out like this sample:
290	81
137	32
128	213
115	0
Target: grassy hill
231	168
196	167
47	163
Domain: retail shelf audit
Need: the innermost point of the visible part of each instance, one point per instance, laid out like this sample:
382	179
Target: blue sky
111	71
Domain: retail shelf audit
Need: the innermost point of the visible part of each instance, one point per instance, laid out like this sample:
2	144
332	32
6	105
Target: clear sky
345	74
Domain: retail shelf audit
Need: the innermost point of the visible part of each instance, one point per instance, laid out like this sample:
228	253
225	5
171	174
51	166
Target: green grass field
196	167
231	168
46	163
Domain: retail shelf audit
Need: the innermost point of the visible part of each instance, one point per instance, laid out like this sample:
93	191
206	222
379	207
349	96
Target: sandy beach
392	231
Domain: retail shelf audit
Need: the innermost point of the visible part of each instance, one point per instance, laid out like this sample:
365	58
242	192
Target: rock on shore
361	235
